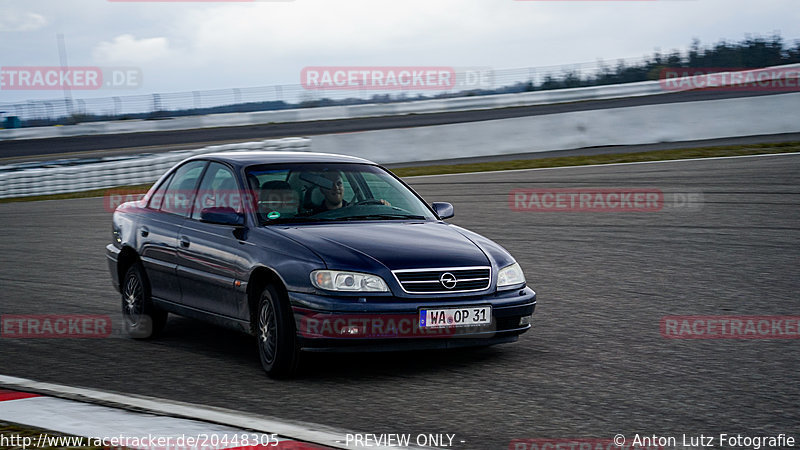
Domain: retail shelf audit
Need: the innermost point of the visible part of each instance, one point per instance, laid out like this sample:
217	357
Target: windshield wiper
381	216
290	220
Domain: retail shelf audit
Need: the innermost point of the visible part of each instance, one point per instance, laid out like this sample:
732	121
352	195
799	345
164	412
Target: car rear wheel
275	332
142	319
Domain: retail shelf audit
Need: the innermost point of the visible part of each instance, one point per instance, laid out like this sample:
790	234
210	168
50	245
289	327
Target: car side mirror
443	210
222	215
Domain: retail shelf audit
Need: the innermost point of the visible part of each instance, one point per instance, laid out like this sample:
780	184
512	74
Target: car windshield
331	192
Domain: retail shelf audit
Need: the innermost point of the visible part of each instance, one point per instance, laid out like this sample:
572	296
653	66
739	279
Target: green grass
657	155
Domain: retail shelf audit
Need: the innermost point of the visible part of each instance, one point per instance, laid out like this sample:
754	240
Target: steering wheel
371	201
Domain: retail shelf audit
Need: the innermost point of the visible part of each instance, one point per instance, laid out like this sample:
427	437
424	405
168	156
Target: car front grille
446	280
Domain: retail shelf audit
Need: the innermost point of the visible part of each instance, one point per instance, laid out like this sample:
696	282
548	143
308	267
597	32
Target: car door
211	256
159	227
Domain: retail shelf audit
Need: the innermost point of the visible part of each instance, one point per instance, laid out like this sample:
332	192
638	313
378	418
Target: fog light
525	320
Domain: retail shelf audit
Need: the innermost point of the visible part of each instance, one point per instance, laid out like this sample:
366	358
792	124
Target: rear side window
218	190
180	193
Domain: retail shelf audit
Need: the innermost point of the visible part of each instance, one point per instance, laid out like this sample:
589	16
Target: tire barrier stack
86	175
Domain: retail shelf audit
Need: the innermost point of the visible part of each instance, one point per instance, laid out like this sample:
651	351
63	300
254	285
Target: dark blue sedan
311	252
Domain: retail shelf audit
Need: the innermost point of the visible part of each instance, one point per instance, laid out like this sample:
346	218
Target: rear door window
218	190
180	193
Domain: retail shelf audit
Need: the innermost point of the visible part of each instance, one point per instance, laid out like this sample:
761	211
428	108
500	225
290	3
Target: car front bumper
328	324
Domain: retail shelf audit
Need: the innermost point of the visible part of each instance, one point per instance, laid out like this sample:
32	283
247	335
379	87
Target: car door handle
144	232
185	242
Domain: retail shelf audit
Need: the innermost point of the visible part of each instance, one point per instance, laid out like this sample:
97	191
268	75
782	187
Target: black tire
278	348
141	318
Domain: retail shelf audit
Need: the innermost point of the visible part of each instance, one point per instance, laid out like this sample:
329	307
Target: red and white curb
115	427
147	422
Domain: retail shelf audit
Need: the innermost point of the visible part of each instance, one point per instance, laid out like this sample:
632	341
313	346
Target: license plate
455	317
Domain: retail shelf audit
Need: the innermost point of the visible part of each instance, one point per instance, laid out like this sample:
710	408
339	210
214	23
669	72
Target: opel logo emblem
448	280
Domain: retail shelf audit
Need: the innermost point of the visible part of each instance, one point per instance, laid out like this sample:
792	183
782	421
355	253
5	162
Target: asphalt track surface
595	363
133	143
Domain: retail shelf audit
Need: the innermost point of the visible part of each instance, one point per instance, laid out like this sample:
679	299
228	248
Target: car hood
395	245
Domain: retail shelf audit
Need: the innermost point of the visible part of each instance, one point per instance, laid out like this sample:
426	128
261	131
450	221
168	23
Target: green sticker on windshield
273	215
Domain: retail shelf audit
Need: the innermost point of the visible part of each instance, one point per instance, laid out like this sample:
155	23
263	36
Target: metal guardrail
107	173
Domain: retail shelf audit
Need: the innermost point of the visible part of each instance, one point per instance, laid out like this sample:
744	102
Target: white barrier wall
771	114
141	170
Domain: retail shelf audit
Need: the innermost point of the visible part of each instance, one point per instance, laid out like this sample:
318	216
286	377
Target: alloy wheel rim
267	328
132	297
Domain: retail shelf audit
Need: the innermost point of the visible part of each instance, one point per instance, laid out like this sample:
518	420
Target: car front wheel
277	343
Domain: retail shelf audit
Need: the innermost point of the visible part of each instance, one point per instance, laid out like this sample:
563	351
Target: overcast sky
183	46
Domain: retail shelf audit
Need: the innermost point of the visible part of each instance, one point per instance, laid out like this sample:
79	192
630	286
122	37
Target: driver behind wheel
333	198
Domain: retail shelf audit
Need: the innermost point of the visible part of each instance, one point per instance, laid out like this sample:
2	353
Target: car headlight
510	276
334	280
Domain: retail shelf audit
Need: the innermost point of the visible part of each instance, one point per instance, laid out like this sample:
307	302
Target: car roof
249	158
